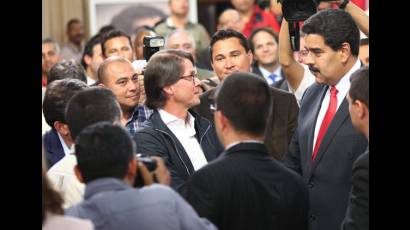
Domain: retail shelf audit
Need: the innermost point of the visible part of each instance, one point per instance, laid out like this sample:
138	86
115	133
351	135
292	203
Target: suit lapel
341	115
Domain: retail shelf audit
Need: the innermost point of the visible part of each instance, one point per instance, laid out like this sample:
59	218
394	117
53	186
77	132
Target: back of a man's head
56	98
226	34
336	26
245	100
90	106
359	87
103	150
66	69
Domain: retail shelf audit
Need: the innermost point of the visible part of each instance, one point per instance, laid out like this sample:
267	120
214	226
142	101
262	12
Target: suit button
312	218
310	185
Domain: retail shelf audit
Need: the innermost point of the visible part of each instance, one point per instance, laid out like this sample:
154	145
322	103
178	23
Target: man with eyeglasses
174	132
230	53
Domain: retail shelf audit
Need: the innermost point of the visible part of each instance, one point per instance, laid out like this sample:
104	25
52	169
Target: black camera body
152	44
151	165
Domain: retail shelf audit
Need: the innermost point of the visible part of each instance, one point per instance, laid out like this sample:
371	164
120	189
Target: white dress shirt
266	73
67	150
185	132
342	87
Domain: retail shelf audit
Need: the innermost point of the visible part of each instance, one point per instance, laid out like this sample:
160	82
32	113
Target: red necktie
330	113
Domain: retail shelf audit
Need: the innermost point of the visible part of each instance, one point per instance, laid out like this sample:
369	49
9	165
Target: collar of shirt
67	151
266	74
344	84
244	141
171	24
178	125
90	81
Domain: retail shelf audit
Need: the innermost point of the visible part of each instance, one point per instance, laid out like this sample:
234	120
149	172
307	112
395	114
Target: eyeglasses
190	77
213	108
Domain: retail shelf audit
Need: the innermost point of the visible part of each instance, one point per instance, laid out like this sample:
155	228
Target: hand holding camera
151	170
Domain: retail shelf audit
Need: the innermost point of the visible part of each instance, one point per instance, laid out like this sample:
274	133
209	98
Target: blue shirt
112	204
140	114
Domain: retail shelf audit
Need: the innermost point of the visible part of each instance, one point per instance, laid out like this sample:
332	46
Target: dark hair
88	49
163	69
56	98
52	200
336	26
359	88
113	34
103	150
71	22
90	106
248	110
105	29
268	30
364	41
226	34
66	69
125	19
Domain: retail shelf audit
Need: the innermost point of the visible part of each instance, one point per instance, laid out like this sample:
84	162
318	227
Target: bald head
106	66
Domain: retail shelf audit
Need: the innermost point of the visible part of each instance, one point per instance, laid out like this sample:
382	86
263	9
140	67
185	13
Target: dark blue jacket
155	138
53	150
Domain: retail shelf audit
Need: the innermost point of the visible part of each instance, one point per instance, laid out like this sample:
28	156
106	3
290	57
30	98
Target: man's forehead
118	39
227	45
313	41
48	46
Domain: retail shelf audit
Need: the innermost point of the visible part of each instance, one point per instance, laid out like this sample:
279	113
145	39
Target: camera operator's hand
161	173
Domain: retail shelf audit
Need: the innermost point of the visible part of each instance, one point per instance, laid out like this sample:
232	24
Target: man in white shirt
92	58
183	138
85	108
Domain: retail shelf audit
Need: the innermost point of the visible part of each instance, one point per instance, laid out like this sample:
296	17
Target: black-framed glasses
213	108
190	77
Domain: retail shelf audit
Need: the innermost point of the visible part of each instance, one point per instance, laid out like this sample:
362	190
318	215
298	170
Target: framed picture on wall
127	15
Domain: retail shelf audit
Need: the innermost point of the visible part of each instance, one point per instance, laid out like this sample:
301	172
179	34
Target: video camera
151	165
152	44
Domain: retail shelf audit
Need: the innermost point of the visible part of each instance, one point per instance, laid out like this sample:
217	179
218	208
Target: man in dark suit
325	144
357	215
57	141
264	46
230	53
246	188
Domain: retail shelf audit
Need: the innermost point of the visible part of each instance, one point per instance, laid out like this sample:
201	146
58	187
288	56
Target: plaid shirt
140	114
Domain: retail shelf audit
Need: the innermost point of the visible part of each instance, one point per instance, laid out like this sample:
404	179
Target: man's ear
168	90
222	120
132	169
62	128
250	57
362	109
87	59
78	174
345	52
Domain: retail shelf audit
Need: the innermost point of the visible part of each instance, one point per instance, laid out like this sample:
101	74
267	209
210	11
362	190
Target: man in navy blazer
326	144
57	141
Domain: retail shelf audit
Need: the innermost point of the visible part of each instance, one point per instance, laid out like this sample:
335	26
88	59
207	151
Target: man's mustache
313	69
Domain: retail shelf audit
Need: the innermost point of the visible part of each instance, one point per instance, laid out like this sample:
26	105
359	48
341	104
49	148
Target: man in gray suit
325	144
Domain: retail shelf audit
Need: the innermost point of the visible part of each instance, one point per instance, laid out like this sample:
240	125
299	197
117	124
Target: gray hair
52	41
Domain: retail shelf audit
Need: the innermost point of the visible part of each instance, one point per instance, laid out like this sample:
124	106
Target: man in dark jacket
230	53
246	188
184	139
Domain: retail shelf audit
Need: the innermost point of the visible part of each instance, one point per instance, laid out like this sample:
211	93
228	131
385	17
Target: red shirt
260	18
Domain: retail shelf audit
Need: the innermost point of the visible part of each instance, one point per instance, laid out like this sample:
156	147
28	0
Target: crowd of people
243	131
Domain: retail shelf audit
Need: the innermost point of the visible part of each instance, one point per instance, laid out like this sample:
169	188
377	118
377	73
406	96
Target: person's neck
233	136
44	76
126	115
78	45
67	140
91	74
345	69
176	110
270	67
246	15
179	21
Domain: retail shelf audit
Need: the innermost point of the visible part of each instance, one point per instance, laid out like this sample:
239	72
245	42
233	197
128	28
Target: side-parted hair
104	150
226	34
90	106
88	49
248	110
359	87
56	98
268	30
113	34
66	69
163	69
336	26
